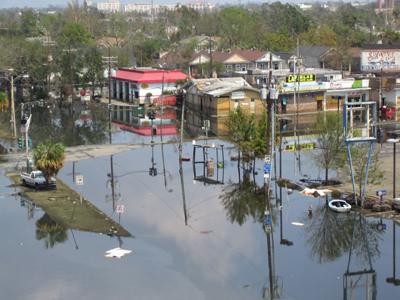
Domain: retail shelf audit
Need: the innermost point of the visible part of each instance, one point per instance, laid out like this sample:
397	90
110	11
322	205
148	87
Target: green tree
285	19
3	100
320	36
49	158
330	143
234	24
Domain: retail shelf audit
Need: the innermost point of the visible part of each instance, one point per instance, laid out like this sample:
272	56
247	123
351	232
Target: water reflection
244	199
393	280
50	231
361	281
74	124
330	235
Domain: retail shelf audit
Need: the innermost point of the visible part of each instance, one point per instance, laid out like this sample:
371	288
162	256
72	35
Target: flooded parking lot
222	252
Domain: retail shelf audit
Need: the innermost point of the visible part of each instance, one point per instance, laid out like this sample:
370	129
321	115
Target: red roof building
149	75
144	85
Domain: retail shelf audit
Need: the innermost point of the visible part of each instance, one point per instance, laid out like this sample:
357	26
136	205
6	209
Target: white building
110	6
157	8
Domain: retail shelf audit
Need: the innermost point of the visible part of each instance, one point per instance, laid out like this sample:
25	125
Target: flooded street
206	243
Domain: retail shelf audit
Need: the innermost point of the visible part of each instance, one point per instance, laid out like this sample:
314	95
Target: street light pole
14	125
394	142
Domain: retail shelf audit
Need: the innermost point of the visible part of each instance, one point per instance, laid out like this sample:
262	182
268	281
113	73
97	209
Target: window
276	66
237	68
228	68
243	67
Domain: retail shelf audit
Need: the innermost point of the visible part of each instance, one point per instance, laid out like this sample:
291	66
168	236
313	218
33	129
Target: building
142	85
209	101
150	9
312	56
237	61
379	58
109	6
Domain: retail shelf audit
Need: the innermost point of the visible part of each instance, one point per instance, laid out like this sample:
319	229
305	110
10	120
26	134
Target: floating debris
117	253
297	224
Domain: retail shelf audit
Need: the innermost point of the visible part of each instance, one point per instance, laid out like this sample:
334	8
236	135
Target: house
312	56
237	61
142	85
211	100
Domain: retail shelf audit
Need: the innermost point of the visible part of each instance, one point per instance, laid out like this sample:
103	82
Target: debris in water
297	224
117	253
206	231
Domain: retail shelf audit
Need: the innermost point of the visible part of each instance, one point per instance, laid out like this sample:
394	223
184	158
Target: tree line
63	49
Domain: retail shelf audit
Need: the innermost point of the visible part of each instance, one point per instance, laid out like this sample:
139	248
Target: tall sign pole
14	125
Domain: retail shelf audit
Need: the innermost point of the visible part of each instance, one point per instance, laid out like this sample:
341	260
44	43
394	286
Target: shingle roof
311	51
221	56
220	86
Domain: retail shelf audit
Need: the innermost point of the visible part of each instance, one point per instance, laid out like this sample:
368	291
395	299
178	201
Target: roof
220	86
222	56
381	46
149	75
311	51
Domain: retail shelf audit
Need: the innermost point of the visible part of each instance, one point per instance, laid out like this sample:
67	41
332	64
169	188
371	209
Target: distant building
237	61
304	6
109	6
157	8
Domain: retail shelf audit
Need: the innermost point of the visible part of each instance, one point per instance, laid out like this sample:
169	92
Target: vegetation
67	46
330	143
49	158
248	134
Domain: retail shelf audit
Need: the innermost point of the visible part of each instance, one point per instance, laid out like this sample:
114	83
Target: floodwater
223	252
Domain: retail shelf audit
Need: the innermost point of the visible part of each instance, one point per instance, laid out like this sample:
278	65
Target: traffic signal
20	143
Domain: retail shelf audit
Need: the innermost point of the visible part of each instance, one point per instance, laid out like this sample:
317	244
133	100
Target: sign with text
301	78
377	60
267	168
79	179
120	209
237	95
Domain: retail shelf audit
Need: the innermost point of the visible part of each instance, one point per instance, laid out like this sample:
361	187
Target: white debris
297	224
117	253
313	192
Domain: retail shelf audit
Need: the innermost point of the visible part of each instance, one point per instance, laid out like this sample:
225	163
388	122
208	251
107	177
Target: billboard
377	60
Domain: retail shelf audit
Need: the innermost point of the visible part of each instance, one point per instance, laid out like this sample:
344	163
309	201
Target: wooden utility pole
109	60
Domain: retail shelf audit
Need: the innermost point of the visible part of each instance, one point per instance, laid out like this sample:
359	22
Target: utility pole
180	163
211	60
109	60
14	125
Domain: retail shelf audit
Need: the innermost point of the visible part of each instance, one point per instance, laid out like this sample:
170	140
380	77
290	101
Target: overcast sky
46	3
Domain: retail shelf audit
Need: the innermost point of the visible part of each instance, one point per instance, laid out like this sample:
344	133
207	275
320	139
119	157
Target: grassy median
67	208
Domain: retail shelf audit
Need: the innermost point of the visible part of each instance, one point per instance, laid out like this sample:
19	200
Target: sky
46	3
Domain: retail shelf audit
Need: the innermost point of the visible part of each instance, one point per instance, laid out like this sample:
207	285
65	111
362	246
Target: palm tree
49	158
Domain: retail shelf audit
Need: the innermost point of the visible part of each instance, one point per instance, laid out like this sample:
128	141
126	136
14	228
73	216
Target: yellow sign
304	146
300	78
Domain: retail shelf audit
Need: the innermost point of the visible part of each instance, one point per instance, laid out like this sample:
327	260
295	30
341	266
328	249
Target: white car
37	180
